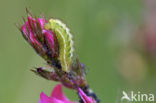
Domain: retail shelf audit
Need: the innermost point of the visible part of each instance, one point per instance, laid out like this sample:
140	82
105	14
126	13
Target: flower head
42	40
52	40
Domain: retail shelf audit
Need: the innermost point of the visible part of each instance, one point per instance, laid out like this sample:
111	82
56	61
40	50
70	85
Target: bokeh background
115	39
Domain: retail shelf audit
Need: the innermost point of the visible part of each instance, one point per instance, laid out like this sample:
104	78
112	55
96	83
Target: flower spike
42	40
52	40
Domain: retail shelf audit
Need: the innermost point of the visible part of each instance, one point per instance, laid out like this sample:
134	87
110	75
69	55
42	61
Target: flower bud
43	41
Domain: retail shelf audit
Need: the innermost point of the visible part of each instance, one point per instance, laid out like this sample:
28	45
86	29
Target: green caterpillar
65	42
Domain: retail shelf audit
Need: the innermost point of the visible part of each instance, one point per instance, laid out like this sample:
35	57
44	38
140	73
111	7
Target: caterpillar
65	42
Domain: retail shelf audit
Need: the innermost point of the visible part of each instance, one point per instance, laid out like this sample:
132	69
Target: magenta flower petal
24	30
57	96
54	100
50	39
42	22
85	98
44	98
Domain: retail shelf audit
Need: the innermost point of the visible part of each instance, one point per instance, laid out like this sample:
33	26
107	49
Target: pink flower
57	96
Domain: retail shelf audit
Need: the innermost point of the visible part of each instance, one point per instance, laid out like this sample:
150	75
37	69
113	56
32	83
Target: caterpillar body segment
65	42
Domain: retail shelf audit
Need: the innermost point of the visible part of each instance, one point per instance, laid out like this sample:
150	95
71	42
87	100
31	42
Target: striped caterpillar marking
65	42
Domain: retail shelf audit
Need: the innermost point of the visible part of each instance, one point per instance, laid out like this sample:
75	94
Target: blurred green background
104	32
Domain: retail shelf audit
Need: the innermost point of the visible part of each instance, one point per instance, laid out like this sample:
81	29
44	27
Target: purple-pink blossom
57	96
